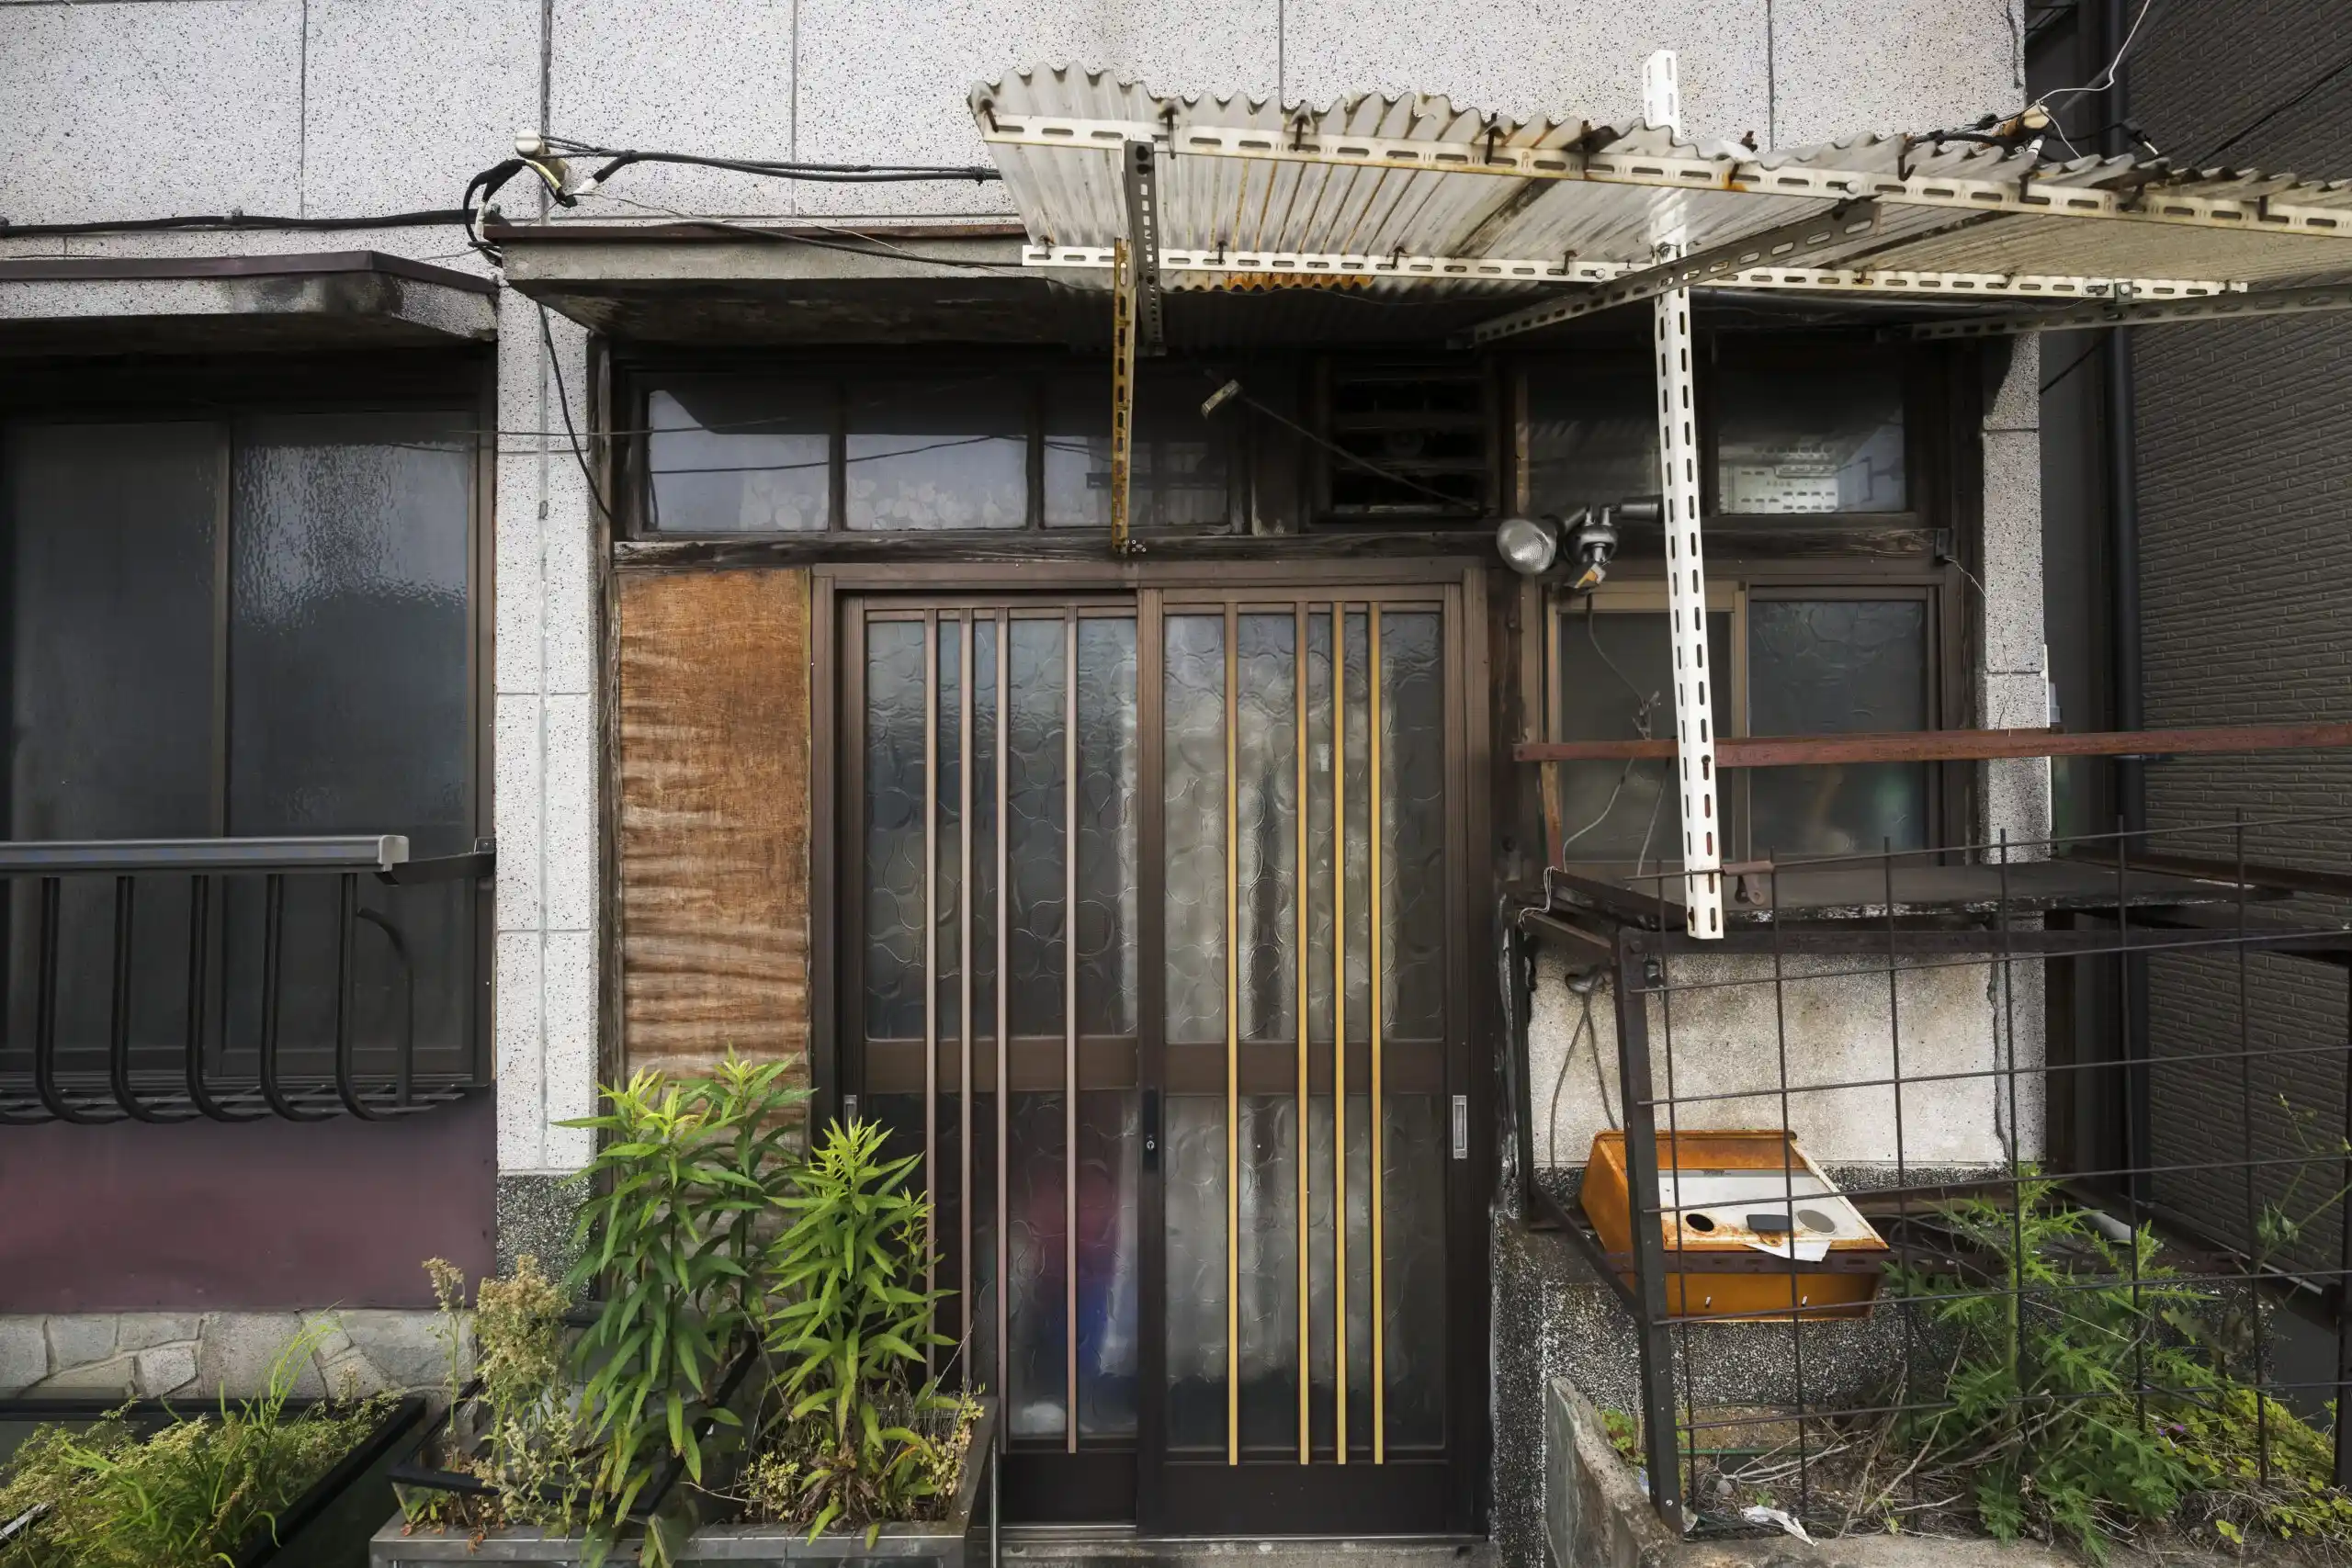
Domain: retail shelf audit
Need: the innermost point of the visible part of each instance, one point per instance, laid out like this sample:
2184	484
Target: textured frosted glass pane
1267	826
1179	473
111	535
1612	669
894	805
1358	837
347	639
1037	1294
985	641
938	454
1268	1248
948	850
1194	826
1106	827
1809	440
734	454
1319	905
1829	667
1035	824
1591	436
1412	764
1325	1294
1194	1164
348	688
1413	1234
1108	1260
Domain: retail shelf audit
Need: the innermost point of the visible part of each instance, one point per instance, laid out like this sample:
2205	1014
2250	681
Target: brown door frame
1454	1500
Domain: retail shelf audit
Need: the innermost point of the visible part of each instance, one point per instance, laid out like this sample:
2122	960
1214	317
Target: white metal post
1686	578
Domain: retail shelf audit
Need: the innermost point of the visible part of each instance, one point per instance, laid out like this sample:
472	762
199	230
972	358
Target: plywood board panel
714	818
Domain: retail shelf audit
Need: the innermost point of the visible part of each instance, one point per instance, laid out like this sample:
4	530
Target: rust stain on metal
714	816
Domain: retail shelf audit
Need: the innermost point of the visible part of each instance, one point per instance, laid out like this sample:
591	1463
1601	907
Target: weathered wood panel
714	816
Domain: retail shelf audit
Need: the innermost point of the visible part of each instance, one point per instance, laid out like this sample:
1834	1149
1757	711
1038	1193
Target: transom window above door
885	449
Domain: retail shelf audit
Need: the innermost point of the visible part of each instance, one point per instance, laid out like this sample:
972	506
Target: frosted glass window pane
938	456
731	454
1617	671
1180	474
1809	440
112	530
1832	667
111	535
348	626
1591	436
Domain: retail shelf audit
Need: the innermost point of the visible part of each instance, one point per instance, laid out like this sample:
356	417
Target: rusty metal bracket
1142	271
1122	402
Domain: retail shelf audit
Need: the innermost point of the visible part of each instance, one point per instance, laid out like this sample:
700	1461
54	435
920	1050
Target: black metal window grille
2196	1131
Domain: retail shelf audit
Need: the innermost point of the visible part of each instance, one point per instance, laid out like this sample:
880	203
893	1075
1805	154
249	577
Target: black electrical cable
563	401
435	218
2267	116
838	174
2074	364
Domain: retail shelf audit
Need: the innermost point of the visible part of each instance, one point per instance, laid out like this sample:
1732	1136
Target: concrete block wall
2244	448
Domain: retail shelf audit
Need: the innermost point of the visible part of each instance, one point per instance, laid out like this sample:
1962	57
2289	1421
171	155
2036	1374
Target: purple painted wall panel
260	1215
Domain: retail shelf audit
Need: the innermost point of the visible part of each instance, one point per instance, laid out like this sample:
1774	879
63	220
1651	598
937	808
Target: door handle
1151	1129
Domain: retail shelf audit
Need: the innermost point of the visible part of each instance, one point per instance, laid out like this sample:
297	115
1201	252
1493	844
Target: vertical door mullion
1340	1024
965	681
999	1226
1069	1025
1299	960
1232	1048
1151	1047
1379	985
931	956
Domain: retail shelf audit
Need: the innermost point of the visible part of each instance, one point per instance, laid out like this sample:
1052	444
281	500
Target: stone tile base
102	1355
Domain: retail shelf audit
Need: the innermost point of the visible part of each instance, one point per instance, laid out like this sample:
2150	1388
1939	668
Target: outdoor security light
1528	545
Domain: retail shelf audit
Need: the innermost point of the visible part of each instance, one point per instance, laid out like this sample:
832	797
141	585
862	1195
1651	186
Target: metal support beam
2233	306
1123	401
1842	225
1686	574
1142	177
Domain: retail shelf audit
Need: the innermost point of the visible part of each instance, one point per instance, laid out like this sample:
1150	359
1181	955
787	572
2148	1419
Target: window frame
218	390
636	377
1736	589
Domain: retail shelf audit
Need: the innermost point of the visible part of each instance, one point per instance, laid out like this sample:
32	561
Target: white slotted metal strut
1686	576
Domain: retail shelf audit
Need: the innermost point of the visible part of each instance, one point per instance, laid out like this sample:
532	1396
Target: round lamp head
1528	545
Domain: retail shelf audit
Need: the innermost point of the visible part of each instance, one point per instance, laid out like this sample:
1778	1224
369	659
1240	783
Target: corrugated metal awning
1390	193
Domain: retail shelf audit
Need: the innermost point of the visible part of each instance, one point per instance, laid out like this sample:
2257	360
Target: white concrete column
547	773
2012	690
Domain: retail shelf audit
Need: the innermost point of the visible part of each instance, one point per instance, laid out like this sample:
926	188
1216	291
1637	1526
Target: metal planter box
966	1538
327	1526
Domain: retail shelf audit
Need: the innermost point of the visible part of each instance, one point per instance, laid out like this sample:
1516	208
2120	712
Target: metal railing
2170	1130
236	980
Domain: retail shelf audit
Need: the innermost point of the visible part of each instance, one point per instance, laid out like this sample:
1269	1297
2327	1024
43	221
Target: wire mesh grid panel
1997	1191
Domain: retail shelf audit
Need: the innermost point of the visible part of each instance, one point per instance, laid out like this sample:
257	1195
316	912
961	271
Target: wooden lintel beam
1952	745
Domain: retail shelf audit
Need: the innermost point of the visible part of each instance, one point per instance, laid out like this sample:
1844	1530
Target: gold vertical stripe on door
1069	1026
967	640
931	956
1339	1019
1004	990
1379	985
1299	945
1232	1049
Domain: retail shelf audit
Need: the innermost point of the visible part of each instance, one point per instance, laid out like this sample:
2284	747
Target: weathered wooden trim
1954	745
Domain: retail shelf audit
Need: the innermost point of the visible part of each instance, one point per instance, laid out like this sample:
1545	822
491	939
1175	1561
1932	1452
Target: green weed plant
192	1495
